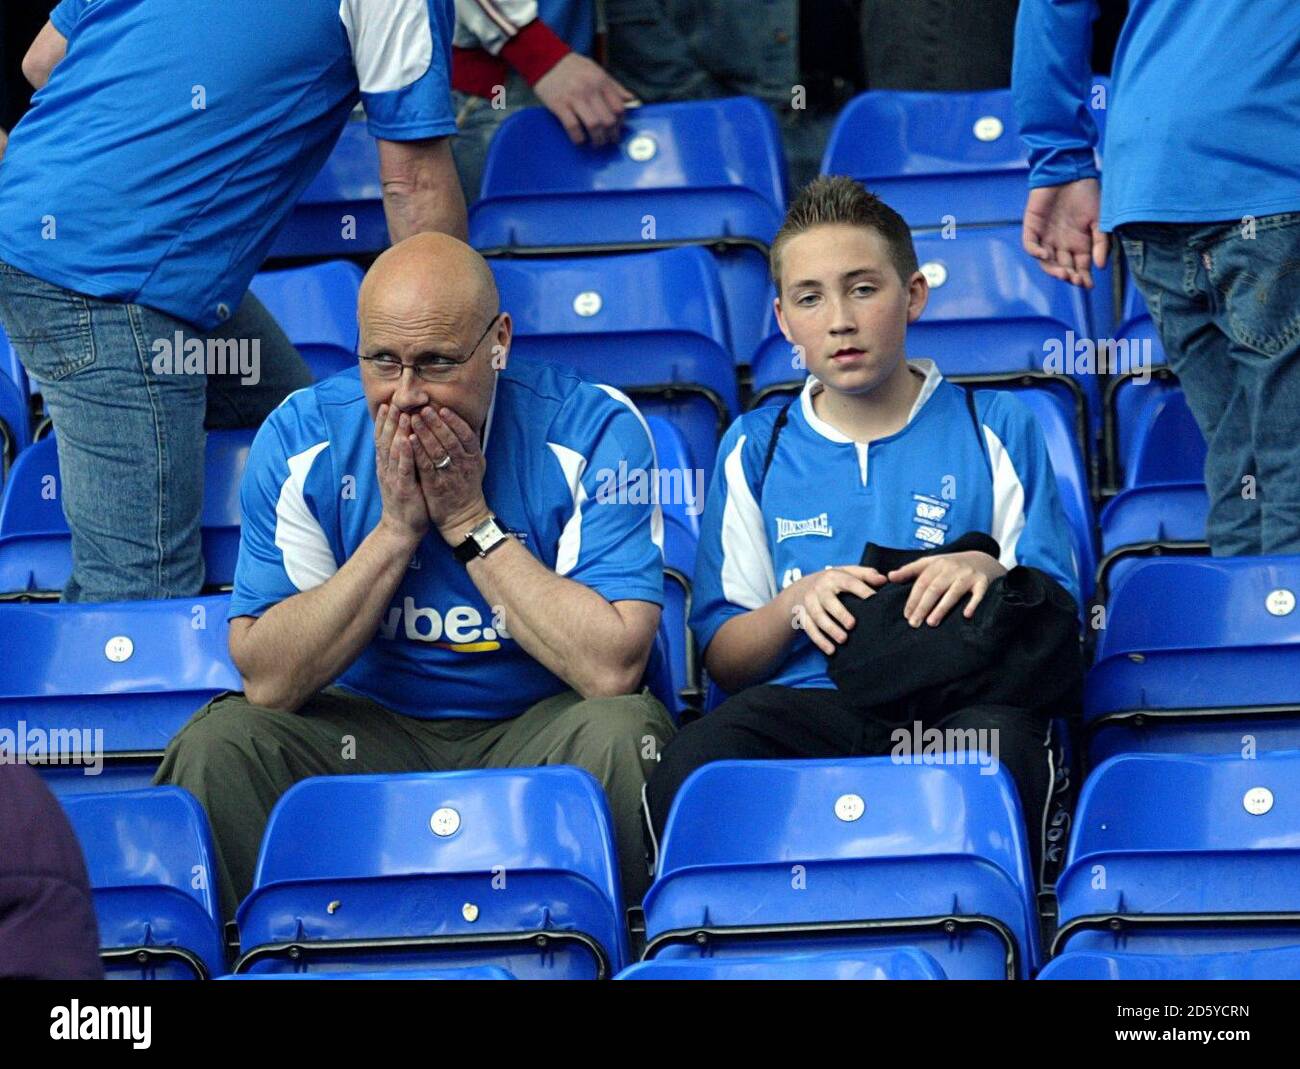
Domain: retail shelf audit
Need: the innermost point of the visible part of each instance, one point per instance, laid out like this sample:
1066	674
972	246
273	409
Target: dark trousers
771	722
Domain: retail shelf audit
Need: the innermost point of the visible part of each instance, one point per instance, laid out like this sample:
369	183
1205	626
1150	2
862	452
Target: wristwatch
481	541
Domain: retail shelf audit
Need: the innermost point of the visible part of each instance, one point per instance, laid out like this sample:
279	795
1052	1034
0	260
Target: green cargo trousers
237	759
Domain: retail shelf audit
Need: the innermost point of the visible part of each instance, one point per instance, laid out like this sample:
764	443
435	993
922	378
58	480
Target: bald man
428	578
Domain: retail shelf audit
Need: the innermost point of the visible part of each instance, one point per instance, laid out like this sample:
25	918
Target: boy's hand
942	581
817	608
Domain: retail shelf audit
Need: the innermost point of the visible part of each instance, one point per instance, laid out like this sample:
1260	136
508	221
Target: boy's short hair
837	199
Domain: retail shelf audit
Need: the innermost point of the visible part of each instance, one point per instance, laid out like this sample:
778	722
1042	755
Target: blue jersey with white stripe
173	139
825	497
552	445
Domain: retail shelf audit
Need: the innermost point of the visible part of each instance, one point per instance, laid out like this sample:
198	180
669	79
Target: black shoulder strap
781	418
979	430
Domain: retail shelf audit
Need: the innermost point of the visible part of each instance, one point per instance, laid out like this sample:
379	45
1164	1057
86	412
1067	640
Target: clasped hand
938	583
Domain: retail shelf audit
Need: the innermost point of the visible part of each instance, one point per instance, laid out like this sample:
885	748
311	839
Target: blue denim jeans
1225	298
131	428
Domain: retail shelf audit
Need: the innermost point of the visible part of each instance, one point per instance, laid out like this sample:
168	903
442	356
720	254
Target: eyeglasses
432	369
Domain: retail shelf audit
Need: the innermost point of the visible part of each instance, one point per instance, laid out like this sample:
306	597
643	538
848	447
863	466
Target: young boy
876	448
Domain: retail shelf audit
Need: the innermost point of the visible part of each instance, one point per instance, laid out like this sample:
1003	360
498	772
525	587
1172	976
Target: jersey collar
812	386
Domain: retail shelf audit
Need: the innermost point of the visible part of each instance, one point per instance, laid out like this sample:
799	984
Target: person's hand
817	608
404	509
1063	232
453	492
943	580
586	100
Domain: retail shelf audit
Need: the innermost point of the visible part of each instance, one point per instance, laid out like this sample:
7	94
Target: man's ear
501	341
918	293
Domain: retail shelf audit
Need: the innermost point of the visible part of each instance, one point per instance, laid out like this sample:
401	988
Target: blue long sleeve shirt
1203	119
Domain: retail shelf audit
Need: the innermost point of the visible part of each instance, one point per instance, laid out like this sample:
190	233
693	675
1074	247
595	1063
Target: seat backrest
462	854
1184	835
1252	599
135	670
680	171
341	212
1281	963
902	963
680	484
152	873
647	318
1165	444
985	274
859	839
934	156
317	307
35	544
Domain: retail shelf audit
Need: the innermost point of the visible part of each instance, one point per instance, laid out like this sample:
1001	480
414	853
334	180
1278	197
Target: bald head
429	284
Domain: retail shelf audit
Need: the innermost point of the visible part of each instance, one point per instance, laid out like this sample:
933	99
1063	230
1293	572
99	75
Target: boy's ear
780	319
918	293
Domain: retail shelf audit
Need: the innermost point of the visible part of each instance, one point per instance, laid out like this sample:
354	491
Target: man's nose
411	392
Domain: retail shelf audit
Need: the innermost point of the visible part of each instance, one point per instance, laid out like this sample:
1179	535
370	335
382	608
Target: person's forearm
746	649
1050	83
567	627
305	642
422	193
46	52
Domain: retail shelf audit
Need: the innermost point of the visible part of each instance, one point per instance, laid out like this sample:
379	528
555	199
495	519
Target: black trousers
771	722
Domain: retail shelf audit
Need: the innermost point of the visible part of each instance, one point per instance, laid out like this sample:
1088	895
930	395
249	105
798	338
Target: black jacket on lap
1020	649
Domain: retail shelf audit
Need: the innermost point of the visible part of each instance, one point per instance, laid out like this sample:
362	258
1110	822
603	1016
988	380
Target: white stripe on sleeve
392	42
570	546
308	559
748	578
1008	500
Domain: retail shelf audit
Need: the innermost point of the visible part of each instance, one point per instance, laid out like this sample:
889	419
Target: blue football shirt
553	443
825	497
173	139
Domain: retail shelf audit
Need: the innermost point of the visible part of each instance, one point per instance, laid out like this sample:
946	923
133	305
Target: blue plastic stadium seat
934	156
1161	442
650	324
702	169
341	213
1198	655
137	671
837	855
901	963
706	171
1165	518
317	307
680	491
36	548
15	424
993	311
1184	854
153	879
1282	963
481	972
508	867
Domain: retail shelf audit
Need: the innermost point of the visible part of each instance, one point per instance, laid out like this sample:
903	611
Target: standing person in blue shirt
139	196
876	448
1202	188
426	570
